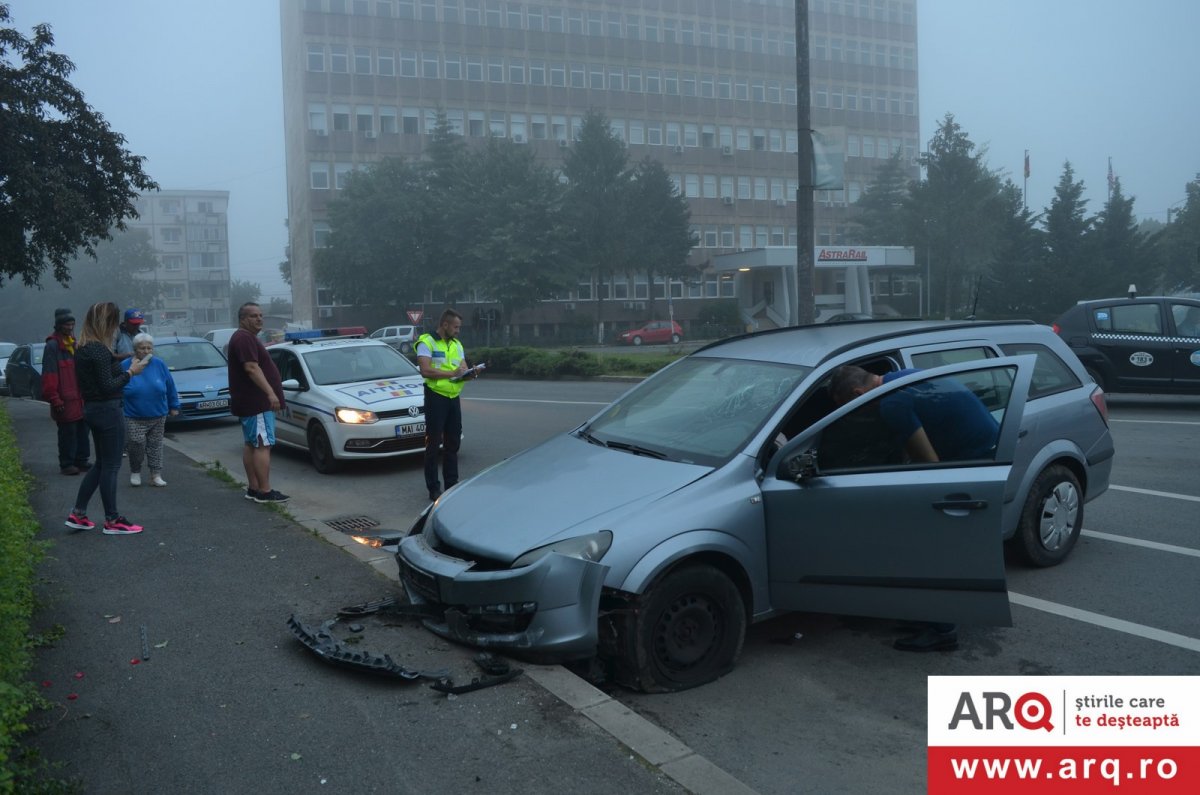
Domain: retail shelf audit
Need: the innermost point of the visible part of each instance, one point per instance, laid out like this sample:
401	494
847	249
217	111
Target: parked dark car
23	371
1137	344
656	331
729	486
6	349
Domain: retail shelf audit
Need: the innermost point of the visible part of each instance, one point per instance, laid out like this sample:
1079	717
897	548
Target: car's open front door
854	526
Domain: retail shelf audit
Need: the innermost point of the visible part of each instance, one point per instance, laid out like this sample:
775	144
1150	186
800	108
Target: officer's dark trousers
443	428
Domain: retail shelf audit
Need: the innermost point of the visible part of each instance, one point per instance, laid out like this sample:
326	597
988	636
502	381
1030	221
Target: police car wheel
1052	517
320	451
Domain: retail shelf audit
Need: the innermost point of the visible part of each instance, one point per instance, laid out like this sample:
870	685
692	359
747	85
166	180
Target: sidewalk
228	701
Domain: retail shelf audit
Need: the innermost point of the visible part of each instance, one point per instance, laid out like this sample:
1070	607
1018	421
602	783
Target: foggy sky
196	89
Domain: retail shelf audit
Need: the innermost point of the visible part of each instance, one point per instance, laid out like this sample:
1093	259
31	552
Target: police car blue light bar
326	333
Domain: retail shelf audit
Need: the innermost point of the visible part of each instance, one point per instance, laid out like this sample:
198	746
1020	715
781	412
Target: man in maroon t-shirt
255	394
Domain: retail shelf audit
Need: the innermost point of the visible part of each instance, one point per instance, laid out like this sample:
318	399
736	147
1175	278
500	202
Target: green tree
596	205
1067	241
518	251
66	179
956	211
376	251
1122	255
1012	286
659	229
1178	246
241	292
884	207
447	222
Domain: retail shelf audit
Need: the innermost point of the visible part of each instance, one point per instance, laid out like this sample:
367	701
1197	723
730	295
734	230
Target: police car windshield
348	365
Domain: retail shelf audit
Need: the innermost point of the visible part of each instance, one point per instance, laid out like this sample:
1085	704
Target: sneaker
120	527
71	470
271	496
79	521
135	479
251	494
157	481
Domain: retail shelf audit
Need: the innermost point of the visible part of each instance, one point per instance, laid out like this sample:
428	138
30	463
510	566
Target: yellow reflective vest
446	356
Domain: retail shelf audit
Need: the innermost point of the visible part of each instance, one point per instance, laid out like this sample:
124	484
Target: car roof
172	339
811	345
342	342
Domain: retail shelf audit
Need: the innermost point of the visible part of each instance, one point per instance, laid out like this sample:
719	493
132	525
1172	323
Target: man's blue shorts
259	429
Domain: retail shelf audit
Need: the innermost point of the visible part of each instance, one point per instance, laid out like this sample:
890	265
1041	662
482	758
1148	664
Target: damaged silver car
729	487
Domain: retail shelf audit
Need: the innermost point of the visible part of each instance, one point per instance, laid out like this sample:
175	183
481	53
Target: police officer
443	364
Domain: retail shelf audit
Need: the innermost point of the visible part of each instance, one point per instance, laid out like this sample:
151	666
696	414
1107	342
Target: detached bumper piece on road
322	643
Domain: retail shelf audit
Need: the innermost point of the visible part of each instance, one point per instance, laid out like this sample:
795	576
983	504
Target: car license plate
212	404
412	429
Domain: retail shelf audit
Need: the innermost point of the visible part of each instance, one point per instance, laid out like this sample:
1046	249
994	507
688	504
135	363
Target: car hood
208	379
375	395
560	489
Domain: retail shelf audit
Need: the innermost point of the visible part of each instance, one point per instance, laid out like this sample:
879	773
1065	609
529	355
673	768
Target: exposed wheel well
723	563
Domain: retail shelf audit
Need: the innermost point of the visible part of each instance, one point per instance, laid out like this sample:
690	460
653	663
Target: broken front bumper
548	609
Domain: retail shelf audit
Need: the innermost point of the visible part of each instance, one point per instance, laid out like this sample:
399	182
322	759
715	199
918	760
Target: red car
654	331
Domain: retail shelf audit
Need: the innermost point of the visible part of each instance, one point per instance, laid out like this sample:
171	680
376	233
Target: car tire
321	451
1051	518
406	347
689	631
675	339
1095	376
636	340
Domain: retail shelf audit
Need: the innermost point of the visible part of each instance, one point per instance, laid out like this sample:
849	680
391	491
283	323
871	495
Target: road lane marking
1108	622
1138	542
1159	422
1154	493
527	400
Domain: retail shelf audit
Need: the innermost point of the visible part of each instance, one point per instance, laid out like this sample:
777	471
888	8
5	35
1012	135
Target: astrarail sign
842	255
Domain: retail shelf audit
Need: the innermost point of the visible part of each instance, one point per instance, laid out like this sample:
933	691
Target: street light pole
802	297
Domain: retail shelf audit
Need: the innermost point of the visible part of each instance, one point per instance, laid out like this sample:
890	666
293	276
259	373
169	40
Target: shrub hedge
541	363
20	552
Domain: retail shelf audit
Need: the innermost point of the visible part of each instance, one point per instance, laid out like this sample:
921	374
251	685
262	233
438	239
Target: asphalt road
822	703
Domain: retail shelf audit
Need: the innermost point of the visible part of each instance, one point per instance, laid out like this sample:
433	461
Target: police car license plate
411	429
212	404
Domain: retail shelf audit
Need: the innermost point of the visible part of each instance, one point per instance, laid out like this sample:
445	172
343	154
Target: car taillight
1100	403
1055	328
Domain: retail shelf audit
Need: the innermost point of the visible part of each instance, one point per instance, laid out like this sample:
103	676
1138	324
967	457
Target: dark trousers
73	446
106	420
443	428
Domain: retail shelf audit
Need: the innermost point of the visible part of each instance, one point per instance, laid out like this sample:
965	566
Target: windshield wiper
583	434
637	450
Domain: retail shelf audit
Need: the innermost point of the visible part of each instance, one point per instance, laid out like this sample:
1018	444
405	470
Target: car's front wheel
689	631
1052	517
675	339
637	340
321	451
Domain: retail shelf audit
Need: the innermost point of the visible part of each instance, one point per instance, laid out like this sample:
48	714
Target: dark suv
1148	344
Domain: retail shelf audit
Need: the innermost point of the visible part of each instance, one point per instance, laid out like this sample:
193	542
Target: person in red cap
130	328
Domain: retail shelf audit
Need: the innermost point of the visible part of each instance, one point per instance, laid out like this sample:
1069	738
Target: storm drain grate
352	524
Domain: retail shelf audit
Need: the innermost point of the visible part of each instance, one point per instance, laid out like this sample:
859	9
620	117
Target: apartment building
709	87
189	229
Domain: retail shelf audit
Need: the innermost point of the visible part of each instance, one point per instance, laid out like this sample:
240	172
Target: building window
429	65
339	58
743	187
474	68
340	172
558	128
316	117
318	176
516	71
616	79
316	58
341	118
671	82
495	70
558	74
476	127
362	60
537	73
709	186
538	128
637	131
707	86
513	17
596	75
171	234
172	262
410	121
498	124
577	76
534	18
453	66
653	82
408	63
321	232
364	118
385	62
388	120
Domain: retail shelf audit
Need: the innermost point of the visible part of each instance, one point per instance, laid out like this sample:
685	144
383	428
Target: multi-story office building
189	231
709	87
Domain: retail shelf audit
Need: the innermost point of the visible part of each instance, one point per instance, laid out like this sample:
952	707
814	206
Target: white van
220	337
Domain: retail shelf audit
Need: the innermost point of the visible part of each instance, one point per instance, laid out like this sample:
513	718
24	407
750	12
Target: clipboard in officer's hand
471	372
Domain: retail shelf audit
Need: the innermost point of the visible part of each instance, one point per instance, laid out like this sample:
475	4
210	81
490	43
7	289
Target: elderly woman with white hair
149	400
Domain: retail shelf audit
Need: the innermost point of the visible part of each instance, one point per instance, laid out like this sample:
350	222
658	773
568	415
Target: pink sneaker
79	521
120	527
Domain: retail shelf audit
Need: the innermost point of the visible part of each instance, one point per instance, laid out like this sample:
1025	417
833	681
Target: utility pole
802	310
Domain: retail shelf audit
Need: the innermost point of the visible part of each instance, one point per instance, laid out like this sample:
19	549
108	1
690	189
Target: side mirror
801	466
291	385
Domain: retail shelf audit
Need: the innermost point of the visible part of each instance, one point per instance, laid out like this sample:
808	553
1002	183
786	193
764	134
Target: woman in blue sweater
148	401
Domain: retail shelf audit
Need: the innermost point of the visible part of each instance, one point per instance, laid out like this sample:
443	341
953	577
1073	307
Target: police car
1137	344
347	398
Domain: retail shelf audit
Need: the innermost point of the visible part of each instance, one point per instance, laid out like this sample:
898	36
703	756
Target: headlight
590	547
355	416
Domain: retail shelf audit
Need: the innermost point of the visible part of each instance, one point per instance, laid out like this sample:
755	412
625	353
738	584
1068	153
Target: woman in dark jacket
102	383
61	390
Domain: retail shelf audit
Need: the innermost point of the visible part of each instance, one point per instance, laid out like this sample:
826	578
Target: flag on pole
1026	164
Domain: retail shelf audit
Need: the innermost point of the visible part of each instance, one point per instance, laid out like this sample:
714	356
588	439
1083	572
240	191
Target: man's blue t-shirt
957	423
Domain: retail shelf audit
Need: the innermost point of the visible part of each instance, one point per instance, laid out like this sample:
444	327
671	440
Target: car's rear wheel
320	451
1095	376
674	339
689	631
1052	517
637	340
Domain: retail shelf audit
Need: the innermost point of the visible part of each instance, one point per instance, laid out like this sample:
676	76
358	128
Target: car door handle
960	505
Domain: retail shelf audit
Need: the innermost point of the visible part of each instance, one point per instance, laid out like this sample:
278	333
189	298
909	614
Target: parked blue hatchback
201	376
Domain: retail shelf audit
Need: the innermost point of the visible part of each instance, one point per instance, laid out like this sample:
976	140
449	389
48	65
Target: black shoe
271	496
71	470
928	640
434	493
251	494
84	467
